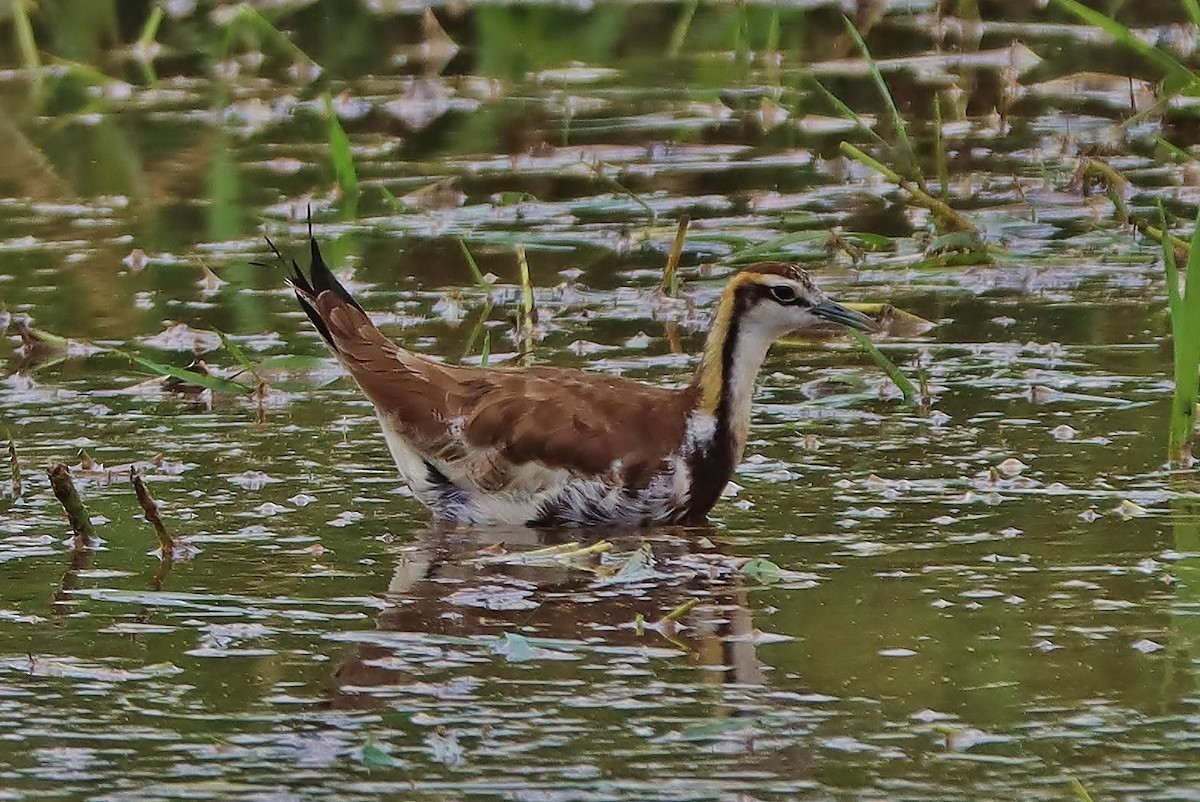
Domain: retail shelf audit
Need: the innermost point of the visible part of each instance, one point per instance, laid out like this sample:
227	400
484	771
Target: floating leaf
762	571
720	729
375	758
515	648
637	566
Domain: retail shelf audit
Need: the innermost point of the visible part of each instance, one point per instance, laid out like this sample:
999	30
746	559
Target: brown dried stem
150	509
68	496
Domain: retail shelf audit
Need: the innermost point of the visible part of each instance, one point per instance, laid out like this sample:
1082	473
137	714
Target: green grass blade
250	18
238	354
1178	153
149	30
339	151
906	387
476	273
214	383
680	32
848	113
1079	792
526	305
30	58
903	145
485	353
1192	7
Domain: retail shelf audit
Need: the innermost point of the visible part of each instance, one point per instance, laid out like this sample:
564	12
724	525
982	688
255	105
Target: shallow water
934	621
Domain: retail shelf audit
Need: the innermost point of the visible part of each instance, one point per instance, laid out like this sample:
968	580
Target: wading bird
545	446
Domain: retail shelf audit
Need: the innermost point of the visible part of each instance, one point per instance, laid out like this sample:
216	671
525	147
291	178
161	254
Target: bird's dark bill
836	313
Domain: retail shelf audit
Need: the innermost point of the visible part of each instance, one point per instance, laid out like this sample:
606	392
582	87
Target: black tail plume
323	279
308	289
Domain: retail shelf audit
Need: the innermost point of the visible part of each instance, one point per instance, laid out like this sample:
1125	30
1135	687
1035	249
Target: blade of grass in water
339	151
847	112
887	366
249	18
903	148
214	383
30	58
1184	304
679	34
1178	153
1080	792
149	30
238	354
939	149
1192	7
476	273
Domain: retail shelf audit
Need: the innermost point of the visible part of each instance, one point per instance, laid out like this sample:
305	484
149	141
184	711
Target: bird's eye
783	293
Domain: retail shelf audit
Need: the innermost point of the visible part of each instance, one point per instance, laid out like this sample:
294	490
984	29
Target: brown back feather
584	423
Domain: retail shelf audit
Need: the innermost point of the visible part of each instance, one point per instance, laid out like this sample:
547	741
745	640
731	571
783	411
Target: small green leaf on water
762	571
375	758
1079	791
1128	509
637	566
720	729
515	648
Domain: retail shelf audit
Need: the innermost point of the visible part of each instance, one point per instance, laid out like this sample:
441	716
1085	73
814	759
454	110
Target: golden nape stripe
711	372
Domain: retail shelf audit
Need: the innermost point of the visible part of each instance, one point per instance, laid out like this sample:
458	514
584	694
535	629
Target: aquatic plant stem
150	509
902	382
940	209
68	496
14	466
670	280
1183	298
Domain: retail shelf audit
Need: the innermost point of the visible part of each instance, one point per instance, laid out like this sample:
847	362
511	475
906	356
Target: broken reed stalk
670	281
949	218
14	466
150	509
68	496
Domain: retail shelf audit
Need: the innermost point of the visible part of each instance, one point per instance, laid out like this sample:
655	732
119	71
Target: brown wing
516	430
584	423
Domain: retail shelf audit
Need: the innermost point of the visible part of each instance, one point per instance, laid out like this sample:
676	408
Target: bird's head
773	299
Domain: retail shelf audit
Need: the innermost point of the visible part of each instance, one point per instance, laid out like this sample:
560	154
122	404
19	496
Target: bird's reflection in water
609	588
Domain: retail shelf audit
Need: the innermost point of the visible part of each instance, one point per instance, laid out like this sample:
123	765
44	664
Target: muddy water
934	620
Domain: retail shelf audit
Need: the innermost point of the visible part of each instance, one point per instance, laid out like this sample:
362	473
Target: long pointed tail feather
309	289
